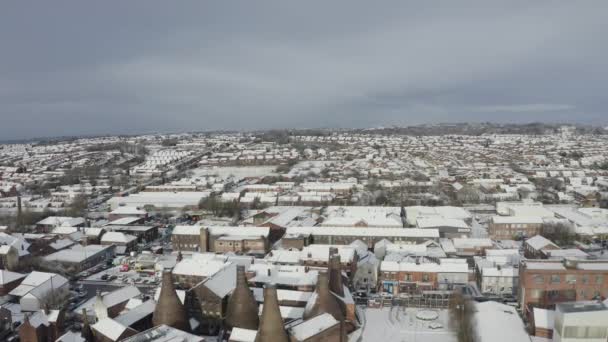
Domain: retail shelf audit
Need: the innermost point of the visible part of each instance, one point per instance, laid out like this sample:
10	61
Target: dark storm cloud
75	67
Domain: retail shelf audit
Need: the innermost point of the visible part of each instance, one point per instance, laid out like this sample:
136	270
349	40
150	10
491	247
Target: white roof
288	275
556	266
517	219
440	222
71	336
39	283
128	210
539	242
187	230
593	266
289	312
423	265
8	276
61	220
283	295
64	230
202	265
161	199
321	252
18	243
92	231
471	243
109	328
239	231
497	322
283	256
75	254
313	326
222	282
366	232
137	313
243	335
117	237
544	318
124	220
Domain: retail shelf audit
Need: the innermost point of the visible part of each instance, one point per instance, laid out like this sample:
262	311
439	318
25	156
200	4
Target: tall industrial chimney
271	324
169	309
242	311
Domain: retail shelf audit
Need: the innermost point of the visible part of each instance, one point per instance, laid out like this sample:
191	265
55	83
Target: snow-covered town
473	232
303	171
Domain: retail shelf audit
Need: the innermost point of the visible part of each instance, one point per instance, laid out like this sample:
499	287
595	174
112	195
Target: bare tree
462	311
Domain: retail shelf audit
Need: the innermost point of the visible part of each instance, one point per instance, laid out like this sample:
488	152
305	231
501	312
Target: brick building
420	274
189	239
544	283
508	227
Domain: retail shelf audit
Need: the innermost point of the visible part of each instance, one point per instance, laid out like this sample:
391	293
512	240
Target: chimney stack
323	301
242	311
169	309
19	214
335	275
271	324
86	333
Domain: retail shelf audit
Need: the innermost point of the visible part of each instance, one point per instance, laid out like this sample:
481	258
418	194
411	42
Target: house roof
38	283
109	328
539	242
9	277
117	237
313	326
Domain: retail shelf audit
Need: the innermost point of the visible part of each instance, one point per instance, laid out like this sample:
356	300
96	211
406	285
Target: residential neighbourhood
230	237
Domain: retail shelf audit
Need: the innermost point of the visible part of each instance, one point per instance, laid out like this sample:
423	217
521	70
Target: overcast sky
97	67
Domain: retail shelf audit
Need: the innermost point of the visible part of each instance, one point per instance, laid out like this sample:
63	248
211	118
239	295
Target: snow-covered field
401	324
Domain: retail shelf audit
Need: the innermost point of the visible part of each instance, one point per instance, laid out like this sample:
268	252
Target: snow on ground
400	324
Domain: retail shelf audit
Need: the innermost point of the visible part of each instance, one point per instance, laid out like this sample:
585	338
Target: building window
570	279
555	279
585	279
599	279
425	277
536	293
538	279
570	294
408	277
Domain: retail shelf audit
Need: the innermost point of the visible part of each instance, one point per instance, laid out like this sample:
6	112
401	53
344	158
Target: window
570	294
555	279
425	277
599	279
570	279
538	279
585	279
536	293
585	332
552	294
408	277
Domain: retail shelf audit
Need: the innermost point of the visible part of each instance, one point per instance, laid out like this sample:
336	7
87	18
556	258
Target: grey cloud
119	67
